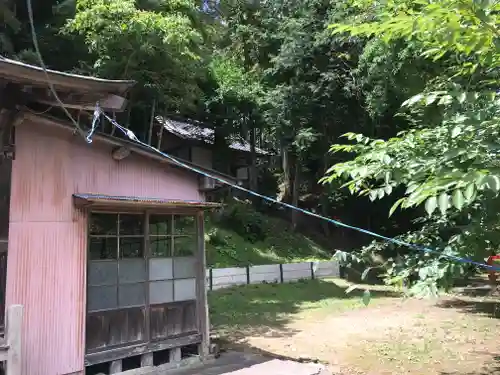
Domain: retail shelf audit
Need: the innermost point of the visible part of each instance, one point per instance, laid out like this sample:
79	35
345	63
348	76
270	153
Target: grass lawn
315	319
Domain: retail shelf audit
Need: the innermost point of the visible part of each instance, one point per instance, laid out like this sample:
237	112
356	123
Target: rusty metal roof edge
89	198
20	70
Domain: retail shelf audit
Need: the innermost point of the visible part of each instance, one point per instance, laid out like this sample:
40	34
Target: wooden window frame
146	256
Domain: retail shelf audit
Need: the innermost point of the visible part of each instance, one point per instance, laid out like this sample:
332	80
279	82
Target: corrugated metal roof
99	199
197	131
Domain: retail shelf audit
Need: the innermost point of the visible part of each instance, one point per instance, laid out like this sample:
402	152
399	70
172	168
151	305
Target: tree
161	49
447	161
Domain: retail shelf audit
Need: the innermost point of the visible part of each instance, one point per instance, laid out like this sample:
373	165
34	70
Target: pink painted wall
47	235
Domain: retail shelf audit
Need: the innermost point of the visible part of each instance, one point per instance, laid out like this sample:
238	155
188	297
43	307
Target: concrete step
252	364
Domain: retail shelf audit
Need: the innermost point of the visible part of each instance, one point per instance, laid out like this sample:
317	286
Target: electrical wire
424	249
44	68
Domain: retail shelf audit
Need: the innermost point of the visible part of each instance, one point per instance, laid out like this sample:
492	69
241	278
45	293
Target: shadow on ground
491	368
487	307
267	309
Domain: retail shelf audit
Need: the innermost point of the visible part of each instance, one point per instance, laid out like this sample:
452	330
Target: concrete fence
218	278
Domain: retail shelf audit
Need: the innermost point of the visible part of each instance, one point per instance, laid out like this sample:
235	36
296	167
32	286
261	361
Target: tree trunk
325	213
151	123
253	162
295	193
287	175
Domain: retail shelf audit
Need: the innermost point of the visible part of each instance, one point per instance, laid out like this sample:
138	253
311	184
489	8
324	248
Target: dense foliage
412	85
448	161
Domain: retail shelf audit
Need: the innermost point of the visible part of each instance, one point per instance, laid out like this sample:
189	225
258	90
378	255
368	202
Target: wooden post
210	279
14	339
147	360
175	355
201	298
115	367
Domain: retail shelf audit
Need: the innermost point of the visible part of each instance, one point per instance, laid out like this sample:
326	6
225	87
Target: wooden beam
113	103
201	290
130	351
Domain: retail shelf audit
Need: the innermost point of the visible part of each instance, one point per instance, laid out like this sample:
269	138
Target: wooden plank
133	350
14	337
201	290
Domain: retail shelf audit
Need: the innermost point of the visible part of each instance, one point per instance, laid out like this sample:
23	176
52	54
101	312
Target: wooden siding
47	234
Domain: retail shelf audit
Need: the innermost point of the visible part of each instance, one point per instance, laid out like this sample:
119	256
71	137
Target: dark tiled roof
197	131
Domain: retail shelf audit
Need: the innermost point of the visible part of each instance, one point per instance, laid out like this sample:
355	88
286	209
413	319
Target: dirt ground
450	336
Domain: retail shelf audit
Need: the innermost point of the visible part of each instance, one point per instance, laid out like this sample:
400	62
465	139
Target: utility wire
44	68
134	138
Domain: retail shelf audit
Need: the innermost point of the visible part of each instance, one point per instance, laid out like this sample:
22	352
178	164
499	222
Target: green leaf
456	131
381	193
365	273
469	191
431	98
351	288
412	100
388	189
431	205
443	202
493	182
458	199
366	297
395	206
373	195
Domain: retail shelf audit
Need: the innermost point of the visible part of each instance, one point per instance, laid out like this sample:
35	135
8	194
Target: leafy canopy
159	48
448	161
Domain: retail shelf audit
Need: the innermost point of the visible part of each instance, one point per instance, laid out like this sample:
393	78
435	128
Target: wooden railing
10	344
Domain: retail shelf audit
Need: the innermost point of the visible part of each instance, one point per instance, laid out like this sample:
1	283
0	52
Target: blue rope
132	136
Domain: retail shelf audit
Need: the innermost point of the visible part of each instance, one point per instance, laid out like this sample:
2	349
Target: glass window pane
184	268
131	247
131	224
184	225
132	270
102	297
103	248
160	246
161	292
185	246
103	273
131	295
160	225
103	224
184	290
161	269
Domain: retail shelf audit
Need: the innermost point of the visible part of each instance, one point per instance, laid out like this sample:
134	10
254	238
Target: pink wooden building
103	241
